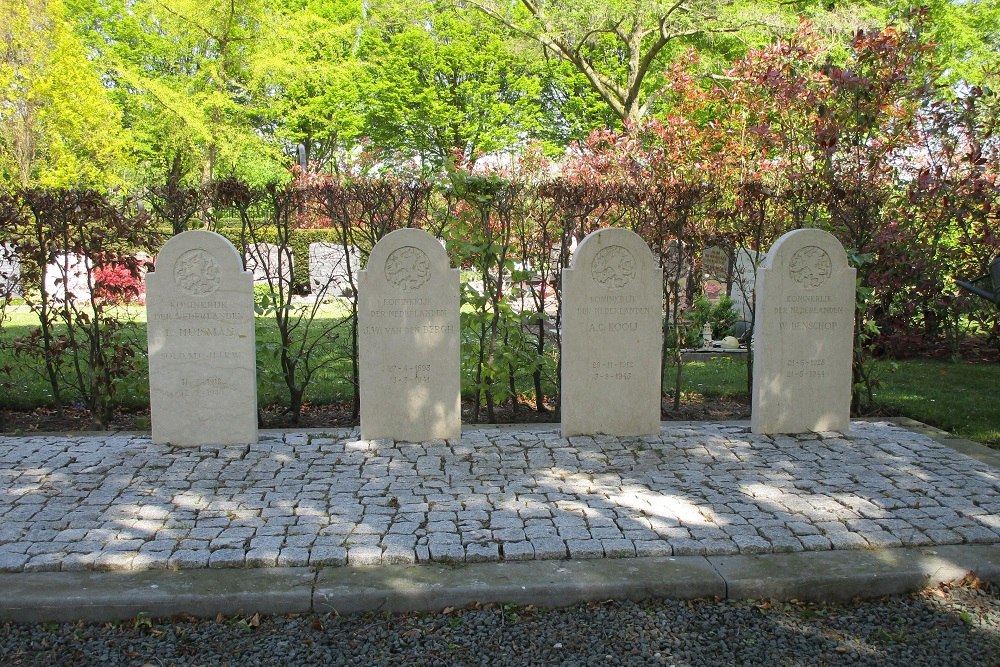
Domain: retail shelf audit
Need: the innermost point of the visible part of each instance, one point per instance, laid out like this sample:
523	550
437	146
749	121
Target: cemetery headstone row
201	339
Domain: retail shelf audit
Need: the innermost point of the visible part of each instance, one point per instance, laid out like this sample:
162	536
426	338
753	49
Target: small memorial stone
328	269
744	279
10	271
408	304
612	330
715	272
66	277
202	358
803	336
268	263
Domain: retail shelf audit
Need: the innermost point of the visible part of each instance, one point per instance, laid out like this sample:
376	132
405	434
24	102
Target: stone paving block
263	556
515	551
845	540
399	541
113	561
397	554
327	555
653	548
186	559
977	534
574	533
293	557
80	562
880	539
549	548
12	562
584	548
303	541
446	551
720	547
687	547
403	528
482	552
223	558
618	548
149	560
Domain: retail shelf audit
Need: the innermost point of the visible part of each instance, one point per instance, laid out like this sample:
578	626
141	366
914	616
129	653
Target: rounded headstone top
614	257
407	259
810	256
197	262
221	249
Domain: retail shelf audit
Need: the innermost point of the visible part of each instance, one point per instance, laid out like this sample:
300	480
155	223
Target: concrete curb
828	576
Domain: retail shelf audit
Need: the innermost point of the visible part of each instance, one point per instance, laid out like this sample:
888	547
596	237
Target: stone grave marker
328	266
202	358
803	336
267	262
10	271
744	279
715	273
66	277
408	303
612	330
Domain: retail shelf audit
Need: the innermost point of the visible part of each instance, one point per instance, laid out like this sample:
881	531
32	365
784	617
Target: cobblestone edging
118	502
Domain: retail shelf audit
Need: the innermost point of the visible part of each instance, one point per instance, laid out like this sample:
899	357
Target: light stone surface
802	340
328	269
119	501
408	324
744	280
612	329
66	277
10	271
268	263
202	357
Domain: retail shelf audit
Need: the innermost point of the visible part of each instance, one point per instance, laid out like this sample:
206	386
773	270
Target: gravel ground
950	625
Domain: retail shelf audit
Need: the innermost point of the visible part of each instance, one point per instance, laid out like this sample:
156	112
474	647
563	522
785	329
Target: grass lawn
957	397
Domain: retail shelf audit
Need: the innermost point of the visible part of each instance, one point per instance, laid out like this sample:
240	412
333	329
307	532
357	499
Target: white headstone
328	267
10	271
202	357
744	279
68	276
408	303
612	329
803	336
268	263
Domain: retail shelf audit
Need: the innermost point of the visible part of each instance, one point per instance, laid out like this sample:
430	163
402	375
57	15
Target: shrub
118	284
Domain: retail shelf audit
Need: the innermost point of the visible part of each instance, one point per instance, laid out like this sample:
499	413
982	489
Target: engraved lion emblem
613	267
407	268
197	272
810	266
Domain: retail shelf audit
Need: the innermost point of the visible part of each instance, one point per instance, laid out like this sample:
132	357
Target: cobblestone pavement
119	502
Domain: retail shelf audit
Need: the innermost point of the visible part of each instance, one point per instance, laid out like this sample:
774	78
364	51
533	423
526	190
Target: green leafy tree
313	77
58	127
622	48
183	73
443	79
